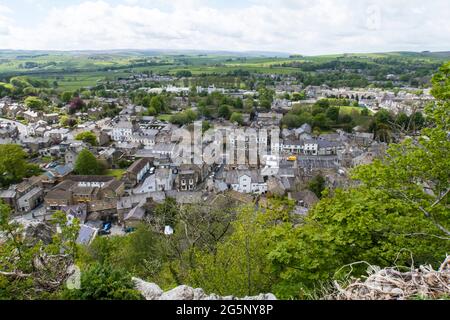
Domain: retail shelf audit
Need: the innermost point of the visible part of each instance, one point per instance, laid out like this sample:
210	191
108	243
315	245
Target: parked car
106	226
103	232
129	229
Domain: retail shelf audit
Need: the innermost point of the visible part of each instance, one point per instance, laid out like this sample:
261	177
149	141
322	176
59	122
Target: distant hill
149	52
165	52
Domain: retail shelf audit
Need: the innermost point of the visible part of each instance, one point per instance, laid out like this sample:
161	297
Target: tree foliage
398	214
237	117
31	268
34	103
88	137
13	164
87	164
102	282
317	185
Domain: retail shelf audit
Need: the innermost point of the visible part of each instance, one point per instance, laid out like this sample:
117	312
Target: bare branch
15	274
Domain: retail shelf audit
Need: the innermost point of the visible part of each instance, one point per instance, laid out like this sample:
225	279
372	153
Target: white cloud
4	24
308	27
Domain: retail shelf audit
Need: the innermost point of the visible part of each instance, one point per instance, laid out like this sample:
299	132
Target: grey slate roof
86	234
232	176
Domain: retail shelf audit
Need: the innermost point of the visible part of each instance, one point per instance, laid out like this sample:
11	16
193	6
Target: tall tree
88	137
237	117
240	265
397	214
224	112
87	164
13	166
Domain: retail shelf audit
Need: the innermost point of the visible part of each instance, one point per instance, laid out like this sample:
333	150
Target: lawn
349	110
117	173
164	117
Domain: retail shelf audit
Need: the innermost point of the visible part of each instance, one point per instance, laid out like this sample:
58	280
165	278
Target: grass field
117	173
349	110
164	117
73	70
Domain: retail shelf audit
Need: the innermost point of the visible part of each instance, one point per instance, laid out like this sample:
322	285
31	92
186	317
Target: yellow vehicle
292	158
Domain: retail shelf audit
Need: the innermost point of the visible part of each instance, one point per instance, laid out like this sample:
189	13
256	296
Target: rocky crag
152	291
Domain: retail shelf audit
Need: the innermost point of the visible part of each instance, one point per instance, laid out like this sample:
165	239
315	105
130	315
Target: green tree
418	120
203	109
238	104
402	120
365	112
206	125
87	164
184	117
321	121
183	74
317	185
237	117
224	112
346	118
34	103
323	103
384	117
102	282
397	214
66	96
165	214
296	96
86	94
291	120
66	121
382	125
88	137
240	264
157	104
248	104
152	111
31	268
333	113
294	120
13	166
266	98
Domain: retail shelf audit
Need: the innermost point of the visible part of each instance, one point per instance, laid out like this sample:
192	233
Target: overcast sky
293	26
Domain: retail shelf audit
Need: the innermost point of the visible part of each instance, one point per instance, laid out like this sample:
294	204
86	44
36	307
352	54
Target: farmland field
74	70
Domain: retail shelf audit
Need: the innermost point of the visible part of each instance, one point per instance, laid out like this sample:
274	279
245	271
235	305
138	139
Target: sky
292	26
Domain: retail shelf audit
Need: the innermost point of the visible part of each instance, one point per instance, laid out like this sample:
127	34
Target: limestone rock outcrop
152	291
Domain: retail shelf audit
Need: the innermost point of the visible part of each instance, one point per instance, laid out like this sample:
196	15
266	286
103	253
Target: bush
102	282
237	117
88	137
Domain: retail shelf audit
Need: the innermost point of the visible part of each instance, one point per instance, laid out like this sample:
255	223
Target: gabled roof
138	165
233	176
61	170
137	213
79	211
